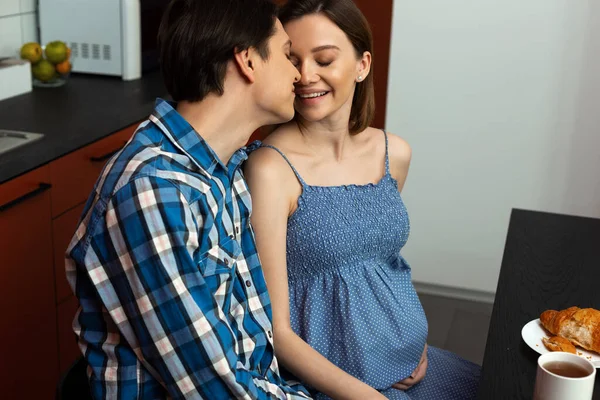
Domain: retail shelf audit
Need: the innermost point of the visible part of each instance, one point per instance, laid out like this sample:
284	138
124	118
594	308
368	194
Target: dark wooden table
550	261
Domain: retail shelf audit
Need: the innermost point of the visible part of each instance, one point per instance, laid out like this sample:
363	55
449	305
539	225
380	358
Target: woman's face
329	66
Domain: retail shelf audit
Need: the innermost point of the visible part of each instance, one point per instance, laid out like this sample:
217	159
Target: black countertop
86	109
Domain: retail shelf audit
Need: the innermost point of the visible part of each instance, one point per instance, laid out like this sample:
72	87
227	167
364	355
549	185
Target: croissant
579	325
557	343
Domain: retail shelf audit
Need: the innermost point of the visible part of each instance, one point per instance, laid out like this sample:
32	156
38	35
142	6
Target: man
173	300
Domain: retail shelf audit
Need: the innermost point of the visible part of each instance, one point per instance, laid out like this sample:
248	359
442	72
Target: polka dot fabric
448	377
351	294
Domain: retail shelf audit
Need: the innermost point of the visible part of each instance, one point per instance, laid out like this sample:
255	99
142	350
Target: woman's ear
245	62
364	67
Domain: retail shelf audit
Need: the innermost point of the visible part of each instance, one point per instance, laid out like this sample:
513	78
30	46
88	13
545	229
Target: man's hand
417	375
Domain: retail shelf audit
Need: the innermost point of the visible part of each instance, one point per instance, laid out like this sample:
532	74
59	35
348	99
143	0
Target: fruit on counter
32	52
64	67
48	63
43	70
56	52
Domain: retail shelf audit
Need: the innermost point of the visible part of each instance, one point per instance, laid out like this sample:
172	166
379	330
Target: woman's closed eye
324	63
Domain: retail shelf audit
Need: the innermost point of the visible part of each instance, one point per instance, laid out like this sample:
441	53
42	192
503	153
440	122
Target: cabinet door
63	229
73	176
29	359
68	350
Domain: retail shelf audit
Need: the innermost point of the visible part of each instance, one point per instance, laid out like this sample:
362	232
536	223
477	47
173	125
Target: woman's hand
417	375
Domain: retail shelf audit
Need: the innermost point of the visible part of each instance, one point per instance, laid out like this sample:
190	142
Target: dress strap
387	158
287	160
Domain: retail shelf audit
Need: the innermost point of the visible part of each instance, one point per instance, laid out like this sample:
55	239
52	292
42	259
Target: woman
330	223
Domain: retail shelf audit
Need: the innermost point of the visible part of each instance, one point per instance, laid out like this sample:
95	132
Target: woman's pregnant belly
366	319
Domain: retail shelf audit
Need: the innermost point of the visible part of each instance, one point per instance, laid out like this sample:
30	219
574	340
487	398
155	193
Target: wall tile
10	35
9	7
29	31
27	6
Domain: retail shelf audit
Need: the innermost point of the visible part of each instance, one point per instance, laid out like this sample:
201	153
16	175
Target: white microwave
105	36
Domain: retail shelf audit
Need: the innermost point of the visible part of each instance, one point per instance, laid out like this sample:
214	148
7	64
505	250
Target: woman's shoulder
399	150
264	161
399	153
267	162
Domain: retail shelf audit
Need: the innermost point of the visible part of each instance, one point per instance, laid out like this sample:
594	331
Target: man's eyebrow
325	47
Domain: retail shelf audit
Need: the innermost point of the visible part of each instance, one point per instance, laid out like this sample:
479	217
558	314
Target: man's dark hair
197	38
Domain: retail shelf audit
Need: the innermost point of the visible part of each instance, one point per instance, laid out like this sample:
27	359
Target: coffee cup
563	376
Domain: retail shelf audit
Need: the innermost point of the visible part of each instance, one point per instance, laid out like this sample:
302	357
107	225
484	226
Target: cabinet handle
106	156
41	188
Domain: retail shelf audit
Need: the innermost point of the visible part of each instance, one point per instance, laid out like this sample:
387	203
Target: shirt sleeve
156	294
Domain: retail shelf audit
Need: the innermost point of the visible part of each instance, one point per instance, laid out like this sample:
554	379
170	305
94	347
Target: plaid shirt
164	263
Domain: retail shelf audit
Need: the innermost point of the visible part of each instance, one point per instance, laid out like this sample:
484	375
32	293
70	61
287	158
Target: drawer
63	229
73	176
25	187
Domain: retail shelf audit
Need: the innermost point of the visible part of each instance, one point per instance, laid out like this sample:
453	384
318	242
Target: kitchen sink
10	140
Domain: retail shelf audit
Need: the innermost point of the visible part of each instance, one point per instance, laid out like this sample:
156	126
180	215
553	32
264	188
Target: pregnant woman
330	224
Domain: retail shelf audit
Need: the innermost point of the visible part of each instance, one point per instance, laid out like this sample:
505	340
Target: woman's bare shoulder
399	152
267	164
399	149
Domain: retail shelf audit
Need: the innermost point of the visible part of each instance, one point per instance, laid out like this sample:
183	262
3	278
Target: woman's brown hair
346	15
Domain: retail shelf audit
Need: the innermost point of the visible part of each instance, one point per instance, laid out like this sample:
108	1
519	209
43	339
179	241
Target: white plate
533	332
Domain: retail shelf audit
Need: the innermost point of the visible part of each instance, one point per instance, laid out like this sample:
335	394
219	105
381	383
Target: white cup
551	386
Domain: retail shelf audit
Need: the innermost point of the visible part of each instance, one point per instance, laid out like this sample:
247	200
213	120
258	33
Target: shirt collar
186	139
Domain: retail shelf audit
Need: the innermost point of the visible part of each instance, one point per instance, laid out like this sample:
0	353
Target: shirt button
237	230
230	236
226	261
270	334
248	283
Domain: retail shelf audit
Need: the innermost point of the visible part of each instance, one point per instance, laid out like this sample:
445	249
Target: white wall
18	25
500	100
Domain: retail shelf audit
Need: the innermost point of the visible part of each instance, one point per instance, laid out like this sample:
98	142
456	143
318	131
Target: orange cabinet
29	359
39	212
63	229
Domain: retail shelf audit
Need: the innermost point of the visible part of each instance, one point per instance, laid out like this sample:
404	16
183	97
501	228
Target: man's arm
154	289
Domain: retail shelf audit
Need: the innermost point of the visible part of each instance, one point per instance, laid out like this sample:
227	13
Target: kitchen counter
86	109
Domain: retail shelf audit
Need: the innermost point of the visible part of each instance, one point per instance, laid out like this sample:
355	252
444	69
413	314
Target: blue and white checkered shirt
164	264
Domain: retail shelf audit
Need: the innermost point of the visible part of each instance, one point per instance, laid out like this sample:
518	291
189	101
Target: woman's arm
400	155
275	189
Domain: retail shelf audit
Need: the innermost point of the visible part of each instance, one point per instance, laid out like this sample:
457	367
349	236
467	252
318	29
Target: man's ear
246	63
